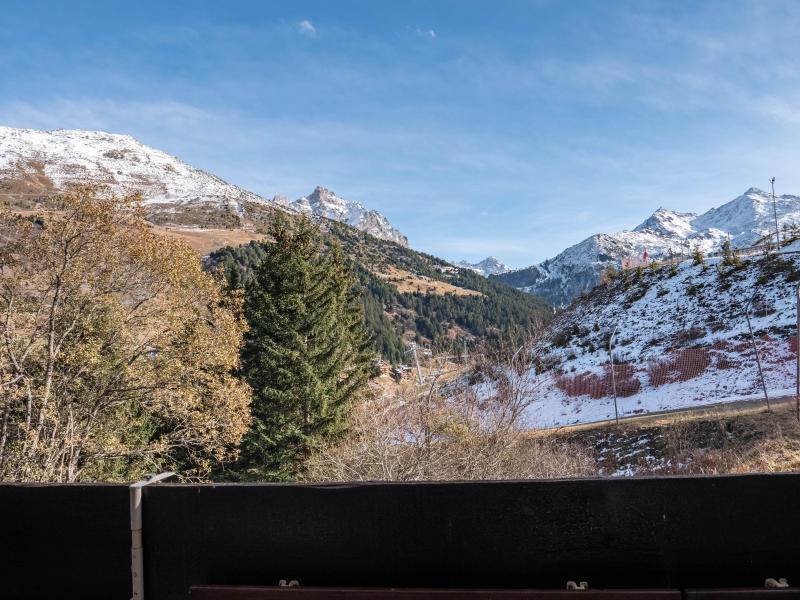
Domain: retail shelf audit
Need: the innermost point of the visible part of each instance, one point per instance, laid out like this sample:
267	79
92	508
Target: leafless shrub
451	432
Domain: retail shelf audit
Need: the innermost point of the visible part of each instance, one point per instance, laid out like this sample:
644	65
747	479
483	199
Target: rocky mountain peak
323	202
667	222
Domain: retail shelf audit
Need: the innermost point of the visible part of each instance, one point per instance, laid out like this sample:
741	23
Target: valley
680	330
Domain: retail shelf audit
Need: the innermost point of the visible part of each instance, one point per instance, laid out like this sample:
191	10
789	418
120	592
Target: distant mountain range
488	266
744	220
36	163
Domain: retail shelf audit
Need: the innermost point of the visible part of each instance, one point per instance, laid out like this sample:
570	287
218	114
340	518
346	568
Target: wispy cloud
307	28
779	110
106	114
426	33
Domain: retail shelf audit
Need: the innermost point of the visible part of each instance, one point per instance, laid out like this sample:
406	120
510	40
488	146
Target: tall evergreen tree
306	353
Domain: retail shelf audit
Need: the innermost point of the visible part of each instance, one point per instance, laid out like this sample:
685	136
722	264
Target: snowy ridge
68	157
488	266
38	162
744	220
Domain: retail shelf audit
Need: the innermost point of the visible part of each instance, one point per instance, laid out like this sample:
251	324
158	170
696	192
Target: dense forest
393	317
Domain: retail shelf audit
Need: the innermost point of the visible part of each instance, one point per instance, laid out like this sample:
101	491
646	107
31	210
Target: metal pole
797	391
416	361
137	552
755	349
613	377
775	213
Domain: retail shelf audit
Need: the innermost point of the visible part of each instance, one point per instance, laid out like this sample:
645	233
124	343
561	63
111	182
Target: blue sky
512	128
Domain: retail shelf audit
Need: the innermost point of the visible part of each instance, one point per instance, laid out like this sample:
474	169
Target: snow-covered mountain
744	220
488	266
322	202
36	163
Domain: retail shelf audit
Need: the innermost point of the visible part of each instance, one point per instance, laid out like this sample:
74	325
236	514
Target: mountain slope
34	164
744	220
412	296
681	340
409	295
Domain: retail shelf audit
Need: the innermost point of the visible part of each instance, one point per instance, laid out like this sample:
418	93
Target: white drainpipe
137	555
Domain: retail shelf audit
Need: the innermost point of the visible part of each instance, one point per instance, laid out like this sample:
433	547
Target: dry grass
205	241
428	439
409	283
750	440
25	185
202	241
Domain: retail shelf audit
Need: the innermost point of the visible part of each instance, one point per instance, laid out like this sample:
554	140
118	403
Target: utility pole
775	214
797	394
416	361
613	377
466	356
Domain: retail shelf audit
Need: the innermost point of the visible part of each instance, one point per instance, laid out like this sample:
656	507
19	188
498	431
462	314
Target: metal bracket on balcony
137	560
776	583
291	583
582	586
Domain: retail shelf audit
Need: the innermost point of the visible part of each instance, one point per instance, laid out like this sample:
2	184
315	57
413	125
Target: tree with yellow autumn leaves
118	352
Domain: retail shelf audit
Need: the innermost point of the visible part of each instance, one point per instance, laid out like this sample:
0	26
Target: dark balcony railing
662	534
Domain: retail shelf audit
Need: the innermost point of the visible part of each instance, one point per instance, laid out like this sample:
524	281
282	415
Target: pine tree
730	257
699	259
306	354
610	274
235	278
